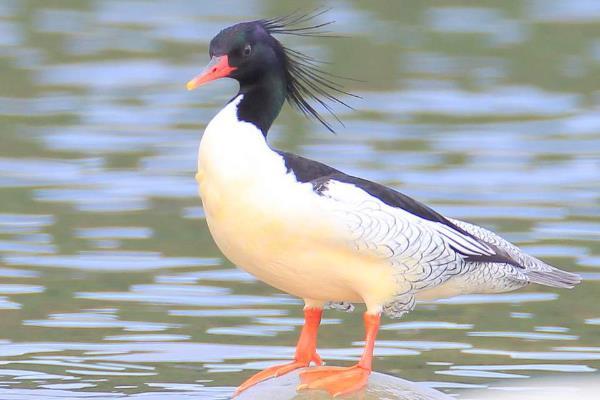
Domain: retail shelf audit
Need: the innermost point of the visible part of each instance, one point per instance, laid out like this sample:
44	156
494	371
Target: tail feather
554	277
536	271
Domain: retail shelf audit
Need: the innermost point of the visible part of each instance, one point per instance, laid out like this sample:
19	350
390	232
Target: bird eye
247	50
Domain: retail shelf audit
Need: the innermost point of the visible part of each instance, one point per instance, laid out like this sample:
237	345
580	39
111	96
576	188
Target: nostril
214	69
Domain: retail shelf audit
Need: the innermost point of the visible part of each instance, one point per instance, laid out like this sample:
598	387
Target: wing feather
385	223
422	246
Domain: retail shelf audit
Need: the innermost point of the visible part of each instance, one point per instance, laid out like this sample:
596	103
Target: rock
379	387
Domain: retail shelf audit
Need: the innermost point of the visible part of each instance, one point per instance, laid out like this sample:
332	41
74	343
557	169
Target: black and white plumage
281	198
427	249
316	232
477	248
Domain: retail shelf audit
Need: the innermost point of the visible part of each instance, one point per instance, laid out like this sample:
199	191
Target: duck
317	233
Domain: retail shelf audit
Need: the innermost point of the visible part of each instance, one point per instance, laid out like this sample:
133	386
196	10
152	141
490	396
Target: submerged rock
380	387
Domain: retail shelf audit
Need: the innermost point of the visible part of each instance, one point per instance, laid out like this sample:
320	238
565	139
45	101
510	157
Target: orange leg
306	351
338	380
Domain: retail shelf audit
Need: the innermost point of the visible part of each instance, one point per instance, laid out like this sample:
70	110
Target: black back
319	174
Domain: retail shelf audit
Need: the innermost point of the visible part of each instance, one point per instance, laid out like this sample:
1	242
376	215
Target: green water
109	280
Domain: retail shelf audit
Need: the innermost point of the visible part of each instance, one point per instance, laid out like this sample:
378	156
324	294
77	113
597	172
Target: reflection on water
110	284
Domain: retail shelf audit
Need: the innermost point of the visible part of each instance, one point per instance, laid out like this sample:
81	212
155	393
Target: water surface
110	284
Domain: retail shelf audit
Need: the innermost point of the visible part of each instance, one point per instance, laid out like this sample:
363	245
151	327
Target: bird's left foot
337	381
273	372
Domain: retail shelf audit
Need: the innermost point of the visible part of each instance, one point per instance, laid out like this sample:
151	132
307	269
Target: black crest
306	81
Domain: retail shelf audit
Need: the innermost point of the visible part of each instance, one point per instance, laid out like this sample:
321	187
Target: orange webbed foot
305	352
337	381
274	372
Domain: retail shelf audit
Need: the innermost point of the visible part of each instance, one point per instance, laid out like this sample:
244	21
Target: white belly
288	246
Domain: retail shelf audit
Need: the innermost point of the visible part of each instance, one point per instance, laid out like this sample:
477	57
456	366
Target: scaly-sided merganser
320	234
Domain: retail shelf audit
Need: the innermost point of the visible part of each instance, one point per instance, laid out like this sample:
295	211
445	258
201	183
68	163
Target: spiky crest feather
306	81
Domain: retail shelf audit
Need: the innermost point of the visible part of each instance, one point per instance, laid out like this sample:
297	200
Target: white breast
269	224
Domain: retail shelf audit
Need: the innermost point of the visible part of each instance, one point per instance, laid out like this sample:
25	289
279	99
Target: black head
269	72
250	50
